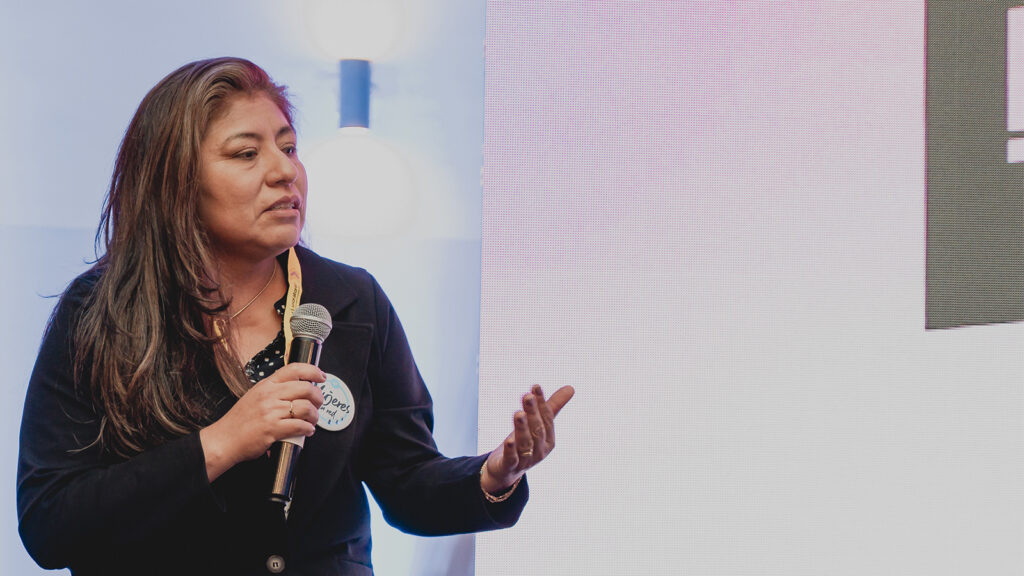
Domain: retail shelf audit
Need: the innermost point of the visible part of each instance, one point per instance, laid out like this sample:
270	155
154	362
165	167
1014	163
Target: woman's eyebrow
284	131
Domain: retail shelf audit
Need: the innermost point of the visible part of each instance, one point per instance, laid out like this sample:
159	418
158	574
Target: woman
159	387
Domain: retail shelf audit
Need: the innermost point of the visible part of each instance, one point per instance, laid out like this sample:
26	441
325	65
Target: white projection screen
710	218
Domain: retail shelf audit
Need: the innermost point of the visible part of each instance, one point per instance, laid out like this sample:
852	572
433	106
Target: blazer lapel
322	284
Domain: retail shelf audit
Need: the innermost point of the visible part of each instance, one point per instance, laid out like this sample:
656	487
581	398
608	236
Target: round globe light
358	186
352	29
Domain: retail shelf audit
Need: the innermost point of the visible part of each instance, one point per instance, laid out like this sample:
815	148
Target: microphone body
310	324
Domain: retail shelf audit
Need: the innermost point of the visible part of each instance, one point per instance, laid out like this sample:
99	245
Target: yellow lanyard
292	300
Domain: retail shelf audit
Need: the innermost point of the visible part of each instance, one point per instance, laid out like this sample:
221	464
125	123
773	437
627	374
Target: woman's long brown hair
144	341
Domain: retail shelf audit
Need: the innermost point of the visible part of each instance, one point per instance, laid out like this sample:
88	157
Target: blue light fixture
354	110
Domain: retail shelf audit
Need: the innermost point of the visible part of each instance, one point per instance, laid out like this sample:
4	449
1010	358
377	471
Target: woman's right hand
283	405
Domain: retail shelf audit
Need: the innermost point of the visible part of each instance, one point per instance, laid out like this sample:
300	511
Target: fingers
532	438
298	371
533	435
295	381
559	399
510	457
291	390
285	404
299	390
302	409
532	407
291	427
523	441
291	399
547	416
502	467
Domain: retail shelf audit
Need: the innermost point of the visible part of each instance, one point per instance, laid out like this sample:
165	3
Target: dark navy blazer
156	513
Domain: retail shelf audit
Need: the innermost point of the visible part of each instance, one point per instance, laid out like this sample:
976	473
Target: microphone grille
311	320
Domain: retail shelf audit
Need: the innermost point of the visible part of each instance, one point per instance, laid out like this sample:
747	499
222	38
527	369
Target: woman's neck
247	284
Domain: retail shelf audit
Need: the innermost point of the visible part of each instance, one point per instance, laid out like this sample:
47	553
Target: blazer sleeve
73	500
419	490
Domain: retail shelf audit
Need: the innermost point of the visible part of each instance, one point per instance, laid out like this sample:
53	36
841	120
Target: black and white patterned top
268	360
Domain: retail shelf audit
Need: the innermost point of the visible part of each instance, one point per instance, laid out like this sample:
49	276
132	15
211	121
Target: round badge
338	409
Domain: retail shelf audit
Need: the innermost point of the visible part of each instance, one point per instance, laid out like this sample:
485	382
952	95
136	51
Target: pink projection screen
710	218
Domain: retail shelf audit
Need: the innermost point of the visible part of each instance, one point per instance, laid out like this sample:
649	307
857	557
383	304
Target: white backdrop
709	217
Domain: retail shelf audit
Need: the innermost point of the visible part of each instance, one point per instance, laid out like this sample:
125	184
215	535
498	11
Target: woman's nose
284	170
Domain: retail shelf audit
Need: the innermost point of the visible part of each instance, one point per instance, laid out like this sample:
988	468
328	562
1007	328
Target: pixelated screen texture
709	218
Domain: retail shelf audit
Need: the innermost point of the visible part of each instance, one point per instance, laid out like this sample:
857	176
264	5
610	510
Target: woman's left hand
532	438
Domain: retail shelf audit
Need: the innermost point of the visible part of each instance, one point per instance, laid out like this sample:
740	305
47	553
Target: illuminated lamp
359	185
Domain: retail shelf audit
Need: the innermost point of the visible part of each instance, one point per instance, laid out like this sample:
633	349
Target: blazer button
275	564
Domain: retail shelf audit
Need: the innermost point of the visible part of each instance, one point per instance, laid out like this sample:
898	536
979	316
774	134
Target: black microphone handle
306	350
286	453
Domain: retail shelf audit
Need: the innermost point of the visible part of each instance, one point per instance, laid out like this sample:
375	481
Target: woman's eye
290	149
246	154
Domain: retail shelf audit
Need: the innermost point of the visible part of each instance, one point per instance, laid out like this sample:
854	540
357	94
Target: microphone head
311	320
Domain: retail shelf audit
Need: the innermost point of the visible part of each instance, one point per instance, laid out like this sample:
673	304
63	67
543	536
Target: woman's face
252	185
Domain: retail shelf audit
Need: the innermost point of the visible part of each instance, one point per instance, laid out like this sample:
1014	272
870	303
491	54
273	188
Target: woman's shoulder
79	290
317	268
72	303
85	282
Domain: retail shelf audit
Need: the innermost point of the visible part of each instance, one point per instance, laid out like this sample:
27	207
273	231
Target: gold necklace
273	273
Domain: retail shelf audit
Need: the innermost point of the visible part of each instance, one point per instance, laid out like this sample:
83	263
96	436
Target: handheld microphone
311	323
